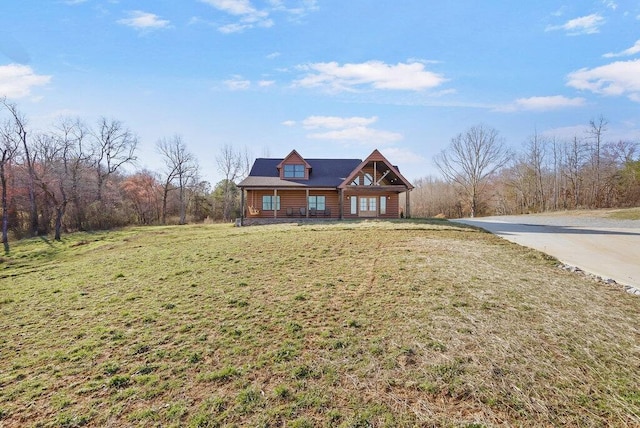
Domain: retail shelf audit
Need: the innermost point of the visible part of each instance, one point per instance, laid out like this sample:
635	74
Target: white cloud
234	7
144	21
273	55
233	28
266	83
410	76
250	17
627	52
589	24
238	27
615	79
610	4
237	83
300	8
334	122
16	81
347	130
554	102
359	134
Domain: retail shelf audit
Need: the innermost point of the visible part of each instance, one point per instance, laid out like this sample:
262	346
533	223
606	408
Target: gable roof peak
294	153
375	156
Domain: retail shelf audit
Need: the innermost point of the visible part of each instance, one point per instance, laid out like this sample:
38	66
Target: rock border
607	281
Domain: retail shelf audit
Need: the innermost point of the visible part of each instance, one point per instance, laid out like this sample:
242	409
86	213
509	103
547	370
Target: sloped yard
341	324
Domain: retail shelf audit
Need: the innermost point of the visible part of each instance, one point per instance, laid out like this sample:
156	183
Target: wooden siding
332	201
294	199
393	204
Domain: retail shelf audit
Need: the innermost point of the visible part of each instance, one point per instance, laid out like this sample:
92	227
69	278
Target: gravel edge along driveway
608	249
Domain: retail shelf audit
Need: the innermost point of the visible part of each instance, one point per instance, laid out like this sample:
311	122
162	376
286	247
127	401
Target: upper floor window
368	179
294	171
365	179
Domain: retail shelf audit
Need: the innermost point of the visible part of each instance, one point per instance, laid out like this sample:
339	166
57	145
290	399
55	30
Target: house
295	187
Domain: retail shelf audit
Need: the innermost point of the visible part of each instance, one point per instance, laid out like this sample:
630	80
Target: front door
368	206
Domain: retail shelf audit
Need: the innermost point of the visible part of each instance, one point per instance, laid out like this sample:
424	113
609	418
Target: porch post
341	193
275	203
306	202
242	207
407	209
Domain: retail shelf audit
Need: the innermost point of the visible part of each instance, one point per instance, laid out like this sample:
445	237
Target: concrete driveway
603	247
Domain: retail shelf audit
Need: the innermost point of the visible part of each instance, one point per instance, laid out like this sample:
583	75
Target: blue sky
329	78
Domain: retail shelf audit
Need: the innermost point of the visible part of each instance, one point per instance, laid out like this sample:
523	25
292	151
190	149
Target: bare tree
432	196
233	165
114	146
181	168
18	132
72	133
573	170
536	151
471	159
8	149
596	131
52	175
519	179
557	173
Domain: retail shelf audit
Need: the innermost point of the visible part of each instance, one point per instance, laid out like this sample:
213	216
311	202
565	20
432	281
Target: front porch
290	204
286	205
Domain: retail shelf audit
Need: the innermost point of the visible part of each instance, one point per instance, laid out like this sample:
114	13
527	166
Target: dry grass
615	213
344	324
626	214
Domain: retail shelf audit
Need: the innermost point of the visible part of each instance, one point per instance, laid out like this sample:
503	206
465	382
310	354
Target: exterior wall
393	203
294	199
332	201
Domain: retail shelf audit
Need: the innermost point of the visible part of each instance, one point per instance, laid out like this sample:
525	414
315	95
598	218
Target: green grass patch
399	323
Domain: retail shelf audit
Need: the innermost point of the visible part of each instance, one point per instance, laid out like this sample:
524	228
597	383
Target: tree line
79	177
482	176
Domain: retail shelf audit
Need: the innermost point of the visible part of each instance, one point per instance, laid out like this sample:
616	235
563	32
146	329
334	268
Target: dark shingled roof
324	173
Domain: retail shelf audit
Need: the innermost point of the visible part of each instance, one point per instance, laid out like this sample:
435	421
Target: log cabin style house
295	188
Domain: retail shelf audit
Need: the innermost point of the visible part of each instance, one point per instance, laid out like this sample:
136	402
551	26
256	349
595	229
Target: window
368	179
383	205
354	205
269	203
294	171
317	203
368	204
